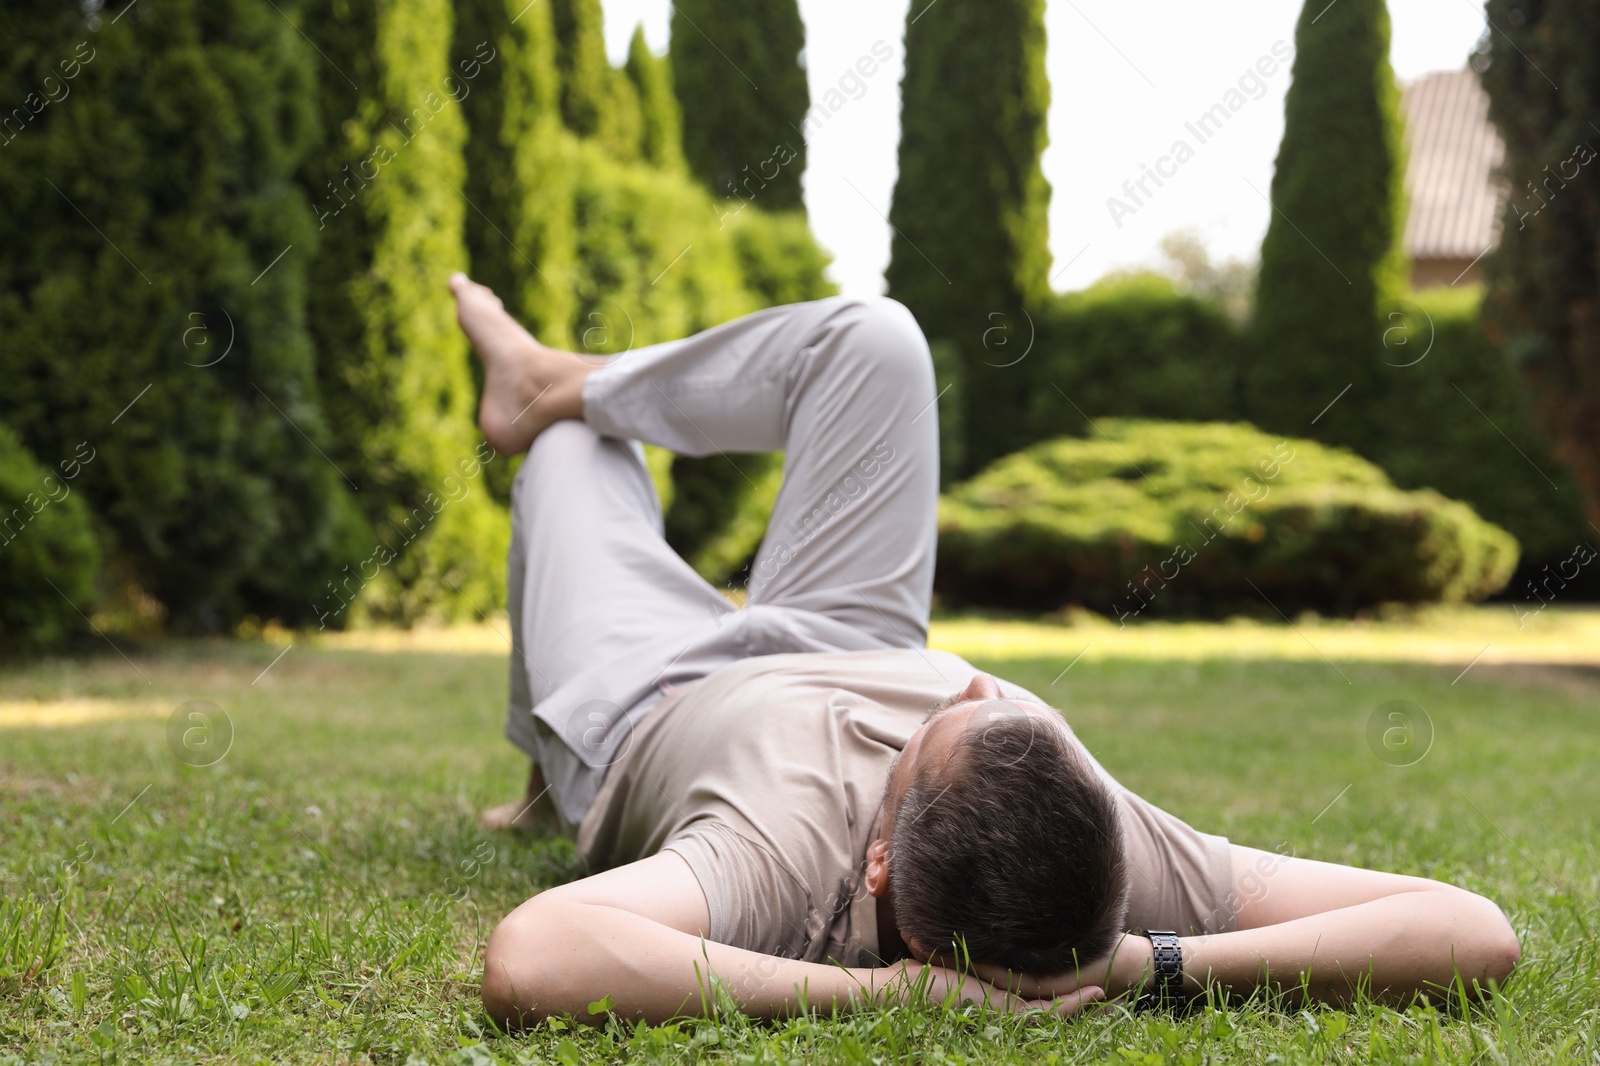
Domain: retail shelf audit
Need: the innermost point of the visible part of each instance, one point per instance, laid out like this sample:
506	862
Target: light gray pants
605	616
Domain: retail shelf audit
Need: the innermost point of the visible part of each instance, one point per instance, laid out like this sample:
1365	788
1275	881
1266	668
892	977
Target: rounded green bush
45	540
1206	519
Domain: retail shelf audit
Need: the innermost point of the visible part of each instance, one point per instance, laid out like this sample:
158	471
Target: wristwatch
1168	958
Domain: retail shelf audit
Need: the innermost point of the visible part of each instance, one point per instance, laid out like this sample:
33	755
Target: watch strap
1167	955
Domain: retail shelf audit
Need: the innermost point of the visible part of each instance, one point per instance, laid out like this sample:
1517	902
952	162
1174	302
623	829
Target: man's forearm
1393	947
580	953
565	956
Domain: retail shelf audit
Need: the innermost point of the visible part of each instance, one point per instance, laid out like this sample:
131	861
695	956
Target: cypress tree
1544	278
970	254
597	100
743	96
1331	260
581	60
153	252
519	221
386	184
661	128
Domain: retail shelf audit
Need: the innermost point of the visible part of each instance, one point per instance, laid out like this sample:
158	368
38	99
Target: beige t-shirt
767	777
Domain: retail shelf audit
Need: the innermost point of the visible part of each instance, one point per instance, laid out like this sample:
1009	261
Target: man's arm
637	934
1330	928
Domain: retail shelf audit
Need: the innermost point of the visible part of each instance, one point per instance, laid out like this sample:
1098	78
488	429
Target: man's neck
891	948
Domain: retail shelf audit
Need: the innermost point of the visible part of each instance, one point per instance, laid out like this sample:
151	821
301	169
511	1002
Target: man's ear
877	879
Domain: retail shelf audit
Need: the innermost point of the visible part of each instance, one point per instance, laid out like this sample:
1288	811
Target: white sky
1124	78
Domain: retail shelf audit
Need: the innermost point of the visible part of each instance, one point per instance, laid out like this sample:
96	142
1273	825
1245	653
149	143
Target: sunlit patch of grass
1491	634
322	892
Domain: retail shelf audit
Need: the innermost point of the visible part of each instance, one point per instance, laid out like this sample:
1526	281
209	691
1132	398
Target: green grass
322	892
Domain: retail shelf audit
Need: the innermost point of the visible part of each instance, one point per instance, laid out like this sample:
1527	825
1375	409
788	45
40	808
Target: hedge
385	181
153	256
1149	518
1131	346
48	553
1455	418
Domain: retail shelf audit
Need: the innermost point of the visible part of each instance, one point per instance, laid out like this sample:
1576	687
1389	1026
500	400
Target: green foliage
519	221
1331	258
969	254
153	256
596	99
720	507
1544	278
519	226
655	262
947	379
1494	458
582	64
1174	518
1130	346
386	182
781	261
651	263
661	131
48	554
743	96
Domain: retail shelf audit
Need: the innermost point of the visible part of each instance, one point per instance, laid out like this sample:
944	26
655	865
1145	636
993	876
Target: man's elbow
1505	951
1499	950
517	969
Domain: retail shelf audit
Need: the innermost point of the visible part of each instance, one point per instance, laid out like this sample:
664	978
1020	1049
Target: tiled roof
1452	150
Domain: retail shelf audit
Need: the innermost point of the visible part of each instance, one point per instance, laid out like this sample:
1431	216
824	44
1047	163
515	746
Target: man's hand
1124	974
942	983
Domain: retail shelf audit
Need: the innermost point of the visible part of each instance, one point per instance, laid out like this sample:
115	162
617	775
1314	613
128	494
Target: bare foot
535	812
526	386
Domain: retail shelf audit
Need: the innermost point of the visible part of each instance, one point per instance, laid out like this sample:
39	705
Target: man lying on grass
797	799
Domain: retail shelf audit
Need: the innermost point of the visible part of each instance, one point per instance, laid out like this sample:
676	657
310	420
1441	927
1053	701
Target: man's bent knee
884	335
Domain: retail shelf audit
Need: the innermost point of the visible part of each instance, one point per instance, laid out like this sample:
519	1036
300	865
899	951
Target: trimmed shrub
651	264
1131	346
656	262
1207	519
386	184
153	258
48	553
720	507
781	261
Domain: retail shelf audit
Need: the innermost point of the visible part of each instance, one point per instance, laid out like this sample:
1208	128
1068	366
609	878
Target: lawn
297	875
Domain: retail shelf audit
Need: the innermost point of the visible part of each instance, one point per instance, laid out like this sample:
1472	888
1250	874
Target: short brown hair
1012	850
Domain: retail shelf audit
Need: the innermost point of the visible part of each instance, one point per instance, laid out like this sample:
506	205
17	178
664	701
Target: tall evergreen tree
386	183
1331	260
970	252
519	222
661	132
153	255
597	100
742	91
1544	278
581	59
